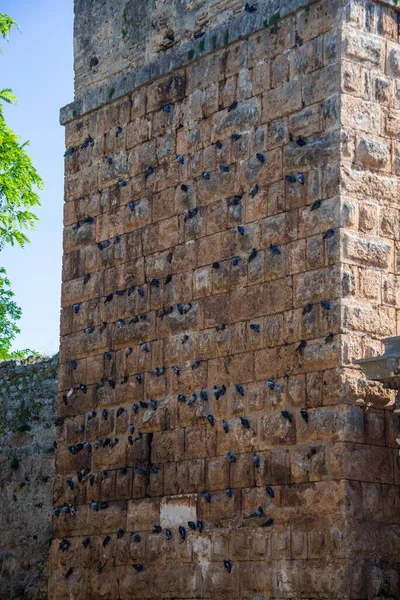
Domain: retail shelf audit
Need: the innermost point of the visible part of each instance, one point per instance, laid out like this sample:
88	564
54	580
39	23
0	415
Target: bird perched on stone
86	279
106	540
240	390
120	533
228	492
192	398
256	461
95	505
255	327
157	529
192	525
56	511
271	384
104	414
259	512
76	308
233	106
64	545
240	229
260	157
219	391
207	497
135	408
291	178
235	261
225	426
325	304
268	523
300	178
329	338
216	265
200	526
211	420
224	168
252	255
136	537
184	188
120	411
168	279
228	565
191	213
123	471
138	377
73	364
231	457
68	573
245	422
138	567
69	152
168	534
287	415
180	159
195	365
270	491
176	369
181	398
167	108
149	171
236	137
274	249
220	327
153	404
155	283
301	141
307	309
122	183
328	234
86	542
182	532
301	346
70	484
316	205
91	479
129	351
304	414
204	396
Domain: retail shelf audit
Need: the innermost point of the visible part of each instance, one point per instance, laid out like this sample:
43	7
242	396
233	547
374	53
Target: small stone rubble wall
28	396
230	246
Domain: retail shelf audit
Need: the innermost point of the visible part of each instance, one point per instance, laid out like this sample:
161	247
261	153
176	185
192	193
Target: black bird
167	108
325	304
252	255
91	479
274	249
307	309
59	422
66	508
68	573
138	567
254	191
181	398
231	457
180	159
106	540
195	365
64	545
56	512
118	131
240	229
131	290
128	352
206	175
311	452
157	529
235	137
176	369
149	171
268	523
86	279
301	346
224	168
104	414
287	415
168	279
329	338
131	428
154	469
216	265
143	404
138	377
228	492
232	106
120	533
168	534
112	384
131	206
108	355
240	390
301	141
106	442
155	283
211	420
95	505
92	414
109	298
184	188
153	404
228	565
120	292
204	396
259	512
328	234
220	327
245	423
69	152
109	160
219	391
218	144
207	497
70	484
121	183
136	537
139	470
256	461
191	213
200	526
304	414
271	384
121	322
300	178
192	399
123	471
235	261
74	364
120	411
89	220
225	426
291	178
76	308
316	205
144	347
99	567
182	532
255	327
87	445
187	307
270	491
260	157
192	525
83	388
102	327
86	542
135	319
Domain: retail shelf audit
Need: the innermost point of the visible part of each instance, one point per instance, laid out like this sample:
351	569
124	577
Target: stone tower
231	245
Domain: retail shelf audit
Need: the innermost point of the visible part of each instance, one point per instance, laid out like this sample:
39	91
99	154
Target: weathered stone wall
232	223
28	396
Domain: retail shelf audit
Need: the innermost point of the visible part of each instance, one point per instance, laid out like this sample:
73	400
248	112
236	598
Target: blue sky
37	64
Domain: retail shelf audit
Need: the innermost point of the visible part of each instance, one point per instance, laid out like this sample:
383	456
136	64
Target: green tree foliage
19	183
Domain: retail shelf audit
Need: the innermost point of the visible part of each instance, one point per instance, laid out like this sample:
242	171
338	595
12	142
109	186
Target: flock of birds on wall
182	309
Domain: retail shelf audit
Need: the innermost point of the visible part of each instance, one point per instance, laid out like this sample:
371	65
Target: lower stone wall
28	400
